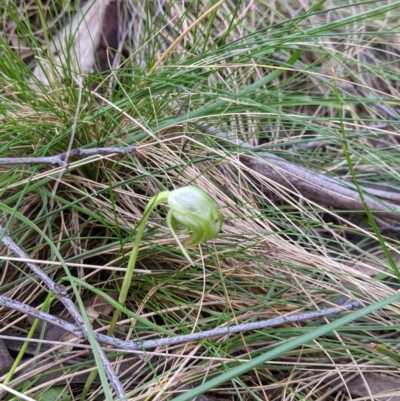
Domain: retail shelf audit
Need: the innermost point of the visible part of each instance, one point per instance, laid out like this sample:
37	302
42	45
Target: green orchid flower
195	210
188	206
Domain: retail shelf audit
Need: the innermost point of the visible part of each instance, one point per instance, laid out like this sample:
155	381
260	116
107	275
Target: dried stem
62	295
61	159
311	184
180	339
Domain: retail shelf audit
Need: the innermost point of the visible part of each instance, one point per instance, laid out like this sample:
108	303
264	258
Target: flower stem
154	202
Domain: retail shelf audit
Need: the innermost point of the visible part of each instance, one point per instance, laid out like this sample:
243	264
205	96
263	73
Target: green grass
317	86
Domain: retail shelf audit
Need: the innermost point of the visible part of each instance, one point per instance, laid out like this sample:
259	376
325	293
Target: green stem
189	206
154	202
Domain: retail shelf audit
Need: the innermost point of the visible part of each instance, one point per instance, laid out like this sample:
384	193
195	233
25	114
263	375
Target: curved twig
62	295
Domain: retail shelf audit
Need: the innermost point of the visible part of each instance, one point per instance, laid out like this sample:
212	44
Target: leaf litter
75	47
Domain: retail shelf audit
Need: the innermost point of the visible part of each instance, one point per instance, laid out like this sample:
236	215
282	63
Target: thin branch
62	295
61	158
69	327
38	314
223	331
180	339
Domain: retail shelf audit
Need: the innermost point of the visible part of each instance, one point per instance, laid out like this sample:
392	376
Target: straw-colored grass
334	110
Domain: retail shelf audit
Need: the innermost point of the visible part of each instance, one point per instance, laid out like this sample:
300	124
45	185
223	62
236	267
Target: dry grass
279	252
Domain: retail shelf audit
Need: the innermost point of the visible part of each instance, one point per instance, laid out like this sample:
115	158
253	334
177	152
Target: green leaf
56	393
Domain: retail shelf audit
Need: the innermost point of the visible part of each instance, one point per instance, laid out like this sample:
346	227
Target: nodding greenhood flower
195	210
189	206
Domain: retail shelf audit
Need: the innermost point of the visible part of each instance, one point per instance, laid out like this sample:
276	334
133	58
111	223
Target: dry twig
180	339
311	184
62	295
61	159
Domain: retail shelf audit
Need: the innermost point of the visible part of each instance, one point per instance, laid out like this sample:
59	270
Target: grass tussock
314	83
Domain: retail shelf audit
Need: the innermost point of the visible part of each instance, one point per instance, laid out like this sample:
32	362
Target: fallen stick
179	339
62	295
310	184
61	158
